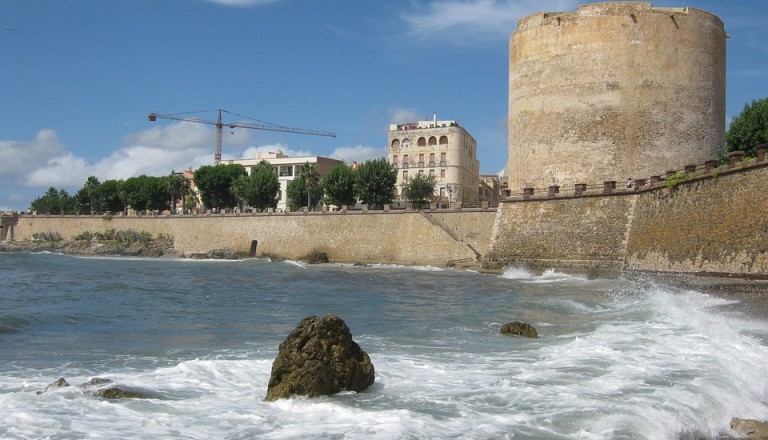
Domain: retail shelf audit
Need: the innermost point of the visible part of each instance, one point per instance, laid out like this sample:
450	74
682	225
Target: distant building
286	168
490	189
442	149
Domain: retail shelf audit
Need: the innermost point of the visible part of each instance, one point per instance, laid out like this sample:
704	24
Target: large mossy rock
319	358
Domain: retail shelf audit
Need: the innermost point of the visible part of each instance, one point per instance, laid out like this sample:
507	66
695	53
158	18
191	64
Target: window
421	173
422	142
406	143
443	140
432	140
442	174
431	159
432	173
405	175
396	143
394	159
421	159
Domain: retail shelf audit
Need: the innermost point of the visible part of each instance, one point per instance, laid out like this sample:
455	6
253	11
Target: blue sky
78	78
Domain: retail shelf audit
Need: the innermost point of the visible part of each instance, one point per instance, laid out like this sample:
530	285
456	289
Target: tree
239	188
263	187
88	197
109	194
178	188
419	189
215	184
339	186
311	179
749	129
375	182
144	193
55	202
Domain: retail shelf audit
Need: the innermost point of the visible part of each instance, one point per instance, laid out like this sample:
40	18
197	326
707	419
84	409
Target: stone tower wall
612	91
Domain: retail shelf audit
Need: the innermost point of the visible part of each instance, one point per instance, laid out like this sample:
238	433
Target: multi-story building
442	149
286	168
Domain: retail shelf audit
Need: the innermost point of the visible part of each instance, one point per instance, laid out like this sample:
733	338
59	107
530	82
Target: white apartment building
286	168
442	149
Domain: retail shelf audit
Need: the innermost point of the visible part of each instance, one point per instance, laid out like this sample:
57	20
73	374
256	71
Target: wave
548	276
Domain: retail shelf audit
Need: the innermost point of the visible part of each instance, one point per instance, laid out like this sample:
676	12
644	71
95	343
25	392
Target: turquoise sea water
616	358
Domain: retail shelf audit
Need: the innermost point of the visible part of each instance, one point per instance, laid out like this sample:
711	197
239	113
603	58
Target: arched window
422	142
432	140
396	143
443	140
406	143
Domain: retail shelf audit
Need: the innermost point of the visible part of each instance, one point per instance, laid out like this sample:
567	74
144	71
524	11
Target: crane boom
238	124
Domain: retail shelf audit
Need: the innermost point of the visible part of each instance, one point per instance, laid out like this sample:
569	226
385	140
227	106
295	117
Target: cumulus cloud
178	136
22	157
467	22
252	152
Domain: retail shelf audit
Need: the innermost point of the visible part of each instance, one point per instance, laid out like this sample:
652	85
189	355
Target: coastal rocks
752	429
519	329
316	257
97	387
319	358
215	254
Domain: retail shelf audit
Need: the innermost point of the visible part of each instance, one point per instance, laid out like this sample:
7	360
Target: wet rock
59	383
319	358
752	429
215	254
316	257
91	388
519	328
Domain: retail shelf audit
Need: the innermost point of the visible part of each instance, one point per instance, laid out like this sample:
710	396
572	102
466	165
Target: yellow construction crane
257	125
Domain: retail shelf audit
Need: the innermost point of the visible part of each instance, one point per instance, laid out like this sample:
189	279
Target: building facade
286	168
442	149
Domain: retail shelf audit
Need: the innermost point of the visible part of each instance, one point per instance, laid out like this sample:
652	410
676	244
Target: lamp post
451	189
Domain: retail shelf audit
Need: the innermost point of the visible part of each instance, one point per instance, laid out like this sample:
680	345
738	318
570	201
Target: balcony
443	163
405	165
431	163
421	164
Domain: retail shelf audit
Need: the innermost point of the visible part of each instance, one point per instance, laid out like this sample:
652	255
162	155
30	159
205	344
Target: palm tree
178	188
311	179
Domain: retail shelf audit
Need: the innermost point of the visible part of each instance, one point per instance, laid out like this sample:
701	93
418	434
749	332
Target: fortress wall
612	91
373	237
584	231
715	225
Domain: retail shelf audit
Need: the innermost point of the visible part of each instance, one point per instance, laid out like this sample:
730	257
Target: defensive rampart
702	219
404	237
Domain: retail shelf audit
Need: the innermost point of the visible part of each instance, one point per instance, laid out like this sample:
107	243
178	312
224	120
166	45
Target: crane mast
219	124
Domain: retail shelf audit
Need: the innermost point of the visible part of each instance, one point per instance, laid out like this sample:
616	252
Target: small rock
519	328
753	429
59	383
319	358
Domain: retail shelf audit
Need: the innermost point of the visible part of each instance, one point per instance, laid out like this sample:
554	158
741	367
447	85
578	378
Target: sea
616	358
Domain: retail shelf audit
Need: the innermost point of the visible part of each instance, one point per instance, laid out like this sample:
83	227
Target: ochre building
613	91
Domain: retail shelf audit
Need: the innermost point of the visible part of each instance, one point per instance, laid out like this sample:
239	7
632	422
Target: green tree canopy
55	202
376	182
339	186
178	188
89	197
305	187
109	194
146	193
263	187
215	184
419	189
749	129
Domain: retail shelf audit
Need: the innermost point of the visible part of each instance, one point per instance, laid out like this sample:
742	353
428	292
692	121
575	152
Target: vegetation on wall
749	129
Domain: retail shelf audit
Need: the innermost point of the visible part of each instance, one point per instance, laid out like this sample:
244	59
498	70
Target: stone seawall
403	237
715	224
715	221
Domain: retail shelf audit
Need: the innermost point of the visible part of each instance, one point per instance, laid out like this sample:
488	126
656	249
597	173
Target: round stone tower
613	91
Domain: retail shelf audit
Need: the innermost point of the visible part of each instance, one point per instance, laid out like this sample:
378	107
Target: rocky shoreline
155	248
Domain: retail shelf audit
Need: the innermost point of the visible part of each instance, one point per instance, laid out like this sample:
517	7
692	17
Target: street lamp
451	189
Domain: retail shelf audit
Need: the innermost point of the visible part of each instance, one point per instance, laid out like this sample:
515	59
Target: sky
79	77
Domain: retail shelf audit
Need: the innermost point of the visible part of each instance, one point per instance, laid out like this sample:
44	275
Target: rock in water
319	358
753	429
520	329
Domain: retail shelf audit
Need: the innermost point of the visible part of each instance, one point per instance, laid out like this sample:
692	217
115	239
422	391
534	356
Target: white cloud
178	136
22	157
359	153
467	22
401	115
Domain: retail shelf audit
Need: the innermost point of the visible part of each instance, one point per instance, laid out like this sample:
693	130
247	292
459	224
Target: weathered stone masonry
716	221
